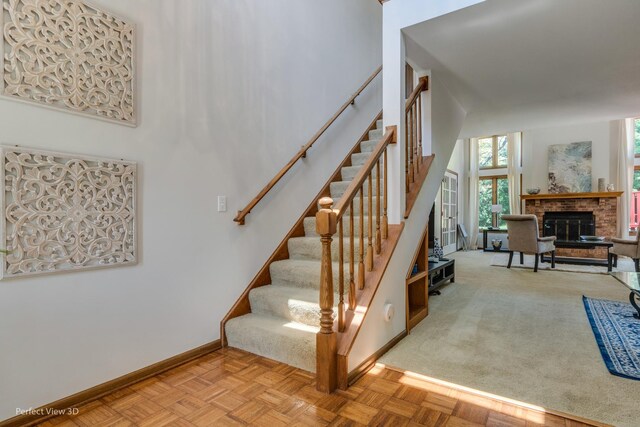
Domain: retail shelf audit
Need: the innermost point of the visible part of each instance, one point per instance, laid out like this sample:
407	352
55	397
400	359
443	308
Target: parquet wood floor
231	388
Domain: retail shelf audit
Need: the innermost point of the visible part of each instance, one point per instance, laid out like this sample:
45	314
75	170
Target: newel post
326	340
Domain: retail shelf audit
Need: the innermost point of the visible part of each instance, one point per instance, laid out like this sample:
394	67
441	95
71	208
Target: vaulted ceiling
532	63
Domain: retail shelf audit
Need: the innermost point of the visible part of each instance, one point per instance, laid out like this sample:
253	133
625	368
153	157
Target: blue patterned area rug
617	333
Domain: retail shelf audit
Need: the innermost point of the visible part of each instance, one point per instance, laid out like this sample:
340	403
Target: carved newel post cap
326	218
326	202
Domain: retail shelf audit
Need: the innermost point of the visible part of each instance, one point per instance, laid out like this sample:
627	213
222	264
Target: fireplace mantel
602	195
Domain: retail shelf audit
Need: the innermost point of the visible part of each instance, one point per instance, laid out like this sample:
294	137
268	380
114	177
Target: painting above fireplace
570	168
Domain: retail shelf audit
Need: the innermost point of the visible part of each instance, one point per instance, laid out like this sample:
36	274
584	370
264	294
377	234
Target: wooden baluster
370	234
326	342
406	153
411	149
414	112
341	276
378	195
420	153
352	256
385	220
361	261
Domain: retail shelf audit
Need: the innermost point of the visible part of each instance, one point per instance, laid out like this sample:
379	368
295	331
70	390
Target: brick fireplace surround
603	205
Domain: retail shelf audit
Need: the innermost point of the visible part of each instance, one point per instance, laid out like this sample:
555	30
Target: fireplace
602	206
568	226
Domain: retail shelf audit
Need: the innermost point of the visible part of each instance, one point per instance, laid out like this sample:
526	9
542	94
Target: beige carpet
521	335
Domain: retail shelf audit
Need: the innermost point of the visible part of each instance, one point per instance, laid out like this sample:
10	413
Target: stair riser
295	350
350	172
311	249
379	124
358	159
338	188
275	304
307	278
368	146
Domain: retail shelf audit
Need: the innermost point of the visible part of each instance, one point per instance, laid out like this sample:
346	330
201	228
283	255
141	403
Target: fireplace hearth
568	226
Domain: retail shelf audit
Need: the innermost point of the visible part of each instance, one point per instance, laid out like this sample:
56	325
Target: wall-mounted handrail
303	151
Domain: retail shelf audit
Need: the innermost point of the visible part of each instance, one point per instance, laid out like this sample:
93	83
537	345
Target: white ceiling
523	64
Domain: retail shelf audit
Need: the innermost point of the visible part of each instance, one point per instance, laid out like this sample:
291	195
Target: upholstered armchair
524	237
626	247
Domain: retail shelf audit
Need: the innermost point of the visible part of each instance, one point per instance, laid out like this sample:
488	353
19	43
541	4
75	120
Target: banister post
424	81
326	339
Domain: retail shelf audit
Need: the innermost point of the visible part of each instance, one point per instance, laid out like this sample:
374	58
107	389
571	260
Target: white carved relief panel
64	212
68	55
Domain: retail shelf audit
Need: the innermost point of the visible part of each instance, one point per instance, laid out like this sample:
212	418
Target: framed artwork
70	56
570	168
66	212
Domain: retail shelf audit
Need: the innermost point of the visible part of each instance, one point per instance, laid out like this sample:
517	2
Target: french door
449	216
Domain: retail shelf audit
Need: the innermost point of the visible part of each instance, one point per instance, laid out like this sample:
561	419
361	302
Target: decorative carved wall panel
66	212
68	55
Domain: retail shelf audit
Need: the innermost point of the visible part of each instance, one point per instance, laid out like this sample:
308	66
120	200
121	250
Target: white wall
398	15
447	117
227	92
535	147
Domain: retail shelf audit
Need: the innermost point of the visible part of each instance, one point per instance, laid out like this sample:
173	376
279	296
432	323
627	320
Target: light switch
222	203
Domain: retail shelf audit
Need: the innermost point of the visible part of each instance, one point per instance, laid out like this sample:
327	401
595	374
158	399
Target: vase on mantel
601	185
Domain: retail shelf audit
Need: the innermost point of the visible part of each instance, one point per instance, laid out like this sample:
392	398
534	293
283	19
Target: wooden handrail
413	133
390	137
240	218
423	85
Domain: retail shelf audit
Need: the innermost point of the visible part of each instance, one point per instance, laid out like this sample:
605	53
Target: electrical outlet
222	203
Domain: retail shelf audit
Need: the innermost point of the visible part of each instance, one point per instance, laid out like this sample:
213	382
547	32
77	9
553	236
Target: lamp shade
496	208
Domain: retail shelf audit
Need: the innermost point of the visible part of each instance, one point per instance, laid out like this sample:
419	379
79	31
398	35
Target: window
637	139
635	197
493	190
492	152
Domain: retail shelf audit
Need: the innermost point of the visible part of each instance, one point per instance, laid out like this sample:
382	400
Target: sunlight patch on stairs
301	327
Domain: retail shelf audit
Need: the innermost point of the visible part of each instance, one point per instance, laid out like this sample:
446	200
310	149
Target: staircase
284	316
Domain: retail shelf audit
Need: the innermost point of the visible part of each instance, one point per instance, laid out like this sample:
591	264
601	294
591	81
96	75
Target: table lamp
496	209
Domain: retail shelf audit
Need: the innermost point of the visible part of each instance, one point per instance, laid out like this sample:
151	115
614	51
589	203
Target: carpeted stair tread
274	337
295	304
376	134
311	248
301	273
